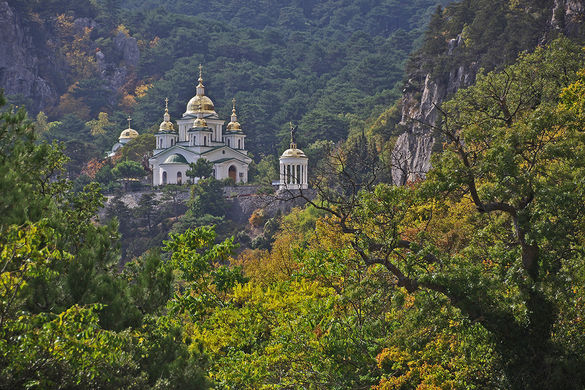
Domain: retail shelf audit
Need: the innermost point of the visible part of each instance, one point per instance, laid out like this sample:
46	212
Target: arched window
179	178
164	178
204	140
228	142
239	144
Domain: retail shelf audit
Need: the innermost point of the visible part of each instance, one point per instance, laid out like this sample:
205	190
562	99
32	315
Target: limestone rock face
412	152
32	70
129	48
23	69
568	16
413	148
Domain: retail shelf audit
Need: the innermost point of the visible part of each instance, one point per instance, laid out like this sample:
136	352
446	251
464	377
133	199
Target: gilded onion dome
128	133
166	124
234	125
200	121
200	102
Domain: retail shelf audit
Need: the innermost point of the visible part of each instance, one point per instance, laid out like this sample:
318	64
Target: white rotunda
294	164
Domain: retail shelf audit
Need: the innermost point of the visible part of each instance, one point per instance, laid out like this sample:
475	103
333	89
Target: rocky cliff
27	69
34	70
425	91
568	17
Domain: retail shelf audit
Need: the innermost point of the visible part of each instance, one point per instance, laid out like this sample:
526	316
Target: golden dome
200	102
128	134
200	122
294	152
234	125
166	124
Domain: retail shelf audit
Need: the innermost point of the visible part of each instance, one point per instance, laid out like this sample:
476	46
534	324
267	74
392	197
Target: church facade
200	134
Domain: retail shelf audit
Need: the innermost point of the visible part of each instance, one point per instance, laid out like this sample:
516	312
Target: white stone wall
165	140
171	171
235	141
222	171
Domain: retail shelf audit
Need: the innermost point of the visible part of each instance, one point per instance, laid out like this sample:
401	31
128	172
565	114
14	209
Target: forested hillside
469	275
463	39
325	65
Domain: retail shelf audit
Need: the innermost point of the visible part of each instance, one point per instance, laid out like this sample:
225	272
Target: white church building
200	135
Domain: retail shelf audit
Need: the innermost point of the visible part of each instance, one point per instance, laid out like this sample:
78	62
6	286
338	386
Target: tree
206	206
147	209
29	172
151	281
265	172
203	267
128	171
98	126
172	196
68	318
509	177
138	148
202	169
207	198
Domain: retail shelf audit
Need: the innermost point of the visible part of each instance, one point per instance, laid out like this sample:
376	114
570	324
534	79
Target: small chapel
200	134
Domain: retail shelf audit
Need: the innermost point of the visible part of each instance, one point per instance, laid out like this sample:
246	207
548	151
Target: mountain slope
312	62
462	39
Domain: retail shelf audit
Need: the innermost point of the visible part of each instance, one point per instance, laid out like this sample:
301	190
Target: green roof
224	160
176	159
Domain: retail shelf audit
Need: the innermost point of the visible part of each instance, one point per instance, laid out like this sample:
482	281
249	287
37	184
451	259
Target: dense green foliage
333	64
492	33
495	230
471	279
67	317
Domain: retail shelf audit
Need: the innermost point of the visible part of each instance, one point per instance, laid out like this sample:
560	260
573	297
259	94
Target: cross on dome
234	125
200	102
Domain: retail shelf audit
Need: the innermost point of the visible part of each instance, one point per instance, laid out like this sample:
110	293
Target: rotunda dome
294	152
